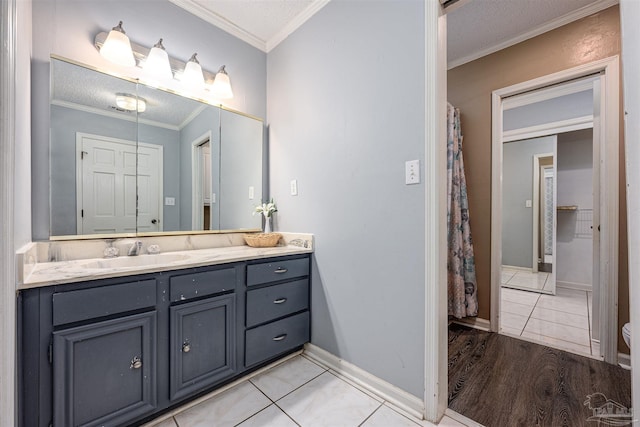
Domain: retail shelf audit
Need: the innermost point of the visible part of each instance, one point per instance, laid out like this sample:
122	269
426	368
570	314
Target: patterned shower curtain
461	271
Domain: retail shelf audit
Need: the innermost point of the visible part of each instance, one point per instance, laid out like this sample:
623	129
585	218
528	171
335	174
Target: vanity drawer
276	301
85	304
276	270
193	285
267	341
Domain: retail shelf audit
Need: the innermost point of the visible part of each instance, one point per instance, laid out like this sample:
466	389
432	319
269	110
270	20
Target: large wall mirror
127	158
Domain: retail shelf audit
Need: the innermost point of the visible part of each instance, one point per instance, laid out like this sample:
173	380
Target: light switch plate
170	201
527	204
412	172
251	192
294	187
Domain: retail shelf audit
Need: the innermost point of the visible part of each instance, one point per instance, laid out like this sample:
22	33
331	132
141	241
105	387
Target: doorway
204	198
603	210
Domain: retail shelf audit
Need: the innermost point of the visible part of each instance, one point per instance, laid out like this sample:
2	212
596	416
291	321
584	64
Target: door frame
197	196
609	195
536	206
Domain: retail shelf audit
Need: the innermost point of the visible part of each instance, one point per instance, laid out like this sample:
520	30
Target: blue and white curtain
461	270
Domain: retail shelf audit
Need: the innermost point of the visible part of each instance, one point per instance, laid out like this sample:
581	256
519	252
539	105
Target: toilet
626	334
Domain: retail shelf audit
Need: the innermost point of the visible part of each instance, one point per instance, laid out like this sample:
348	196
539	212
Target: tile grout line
529	317
371	414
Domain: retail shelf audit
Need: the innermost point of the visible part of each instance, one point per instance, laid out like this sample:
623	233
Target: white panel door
149	188
107	184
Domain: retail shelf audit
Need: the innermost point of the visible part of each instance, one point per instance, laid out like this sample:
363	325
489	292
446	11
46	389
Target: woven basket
262	240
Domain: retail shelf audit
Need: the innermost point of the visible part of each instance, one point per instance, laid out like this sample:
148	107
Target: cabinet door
104	373
202	344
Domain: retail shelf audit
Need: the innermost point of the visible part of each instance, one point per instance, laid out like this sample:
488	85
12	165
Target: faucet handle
153	249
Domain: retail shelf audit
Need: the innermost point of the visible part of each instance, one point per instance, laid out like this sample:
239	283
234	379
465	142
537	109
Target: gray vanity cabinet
118	351
104	373
277	314
202	344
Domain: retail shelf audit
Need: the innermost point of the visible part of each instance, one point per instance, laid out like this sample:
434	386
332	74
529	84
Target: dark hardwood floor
502	381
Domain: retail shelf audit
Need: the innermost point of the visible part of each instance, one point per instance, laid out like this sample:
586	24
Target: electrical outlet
170	201
412	172
251	192
527	203
294	187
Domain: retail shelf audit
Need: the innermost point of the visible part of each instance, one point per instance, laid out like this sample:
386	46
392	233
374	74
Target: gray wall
565	107
517	187
207	121
574	238
344	132
68	28
241	167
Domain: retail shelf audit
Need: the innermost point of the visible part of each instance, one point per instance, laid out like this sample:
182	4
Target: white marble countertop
54	273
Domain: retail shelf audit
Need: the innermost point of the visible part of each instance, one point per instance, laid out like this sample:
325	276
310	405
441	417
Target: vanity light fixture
221	87
192	76
157	63
189	74
129	102
117	47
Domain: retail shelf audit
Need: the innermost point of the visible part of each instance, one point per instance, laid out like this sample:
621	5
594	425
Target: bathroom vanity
115	351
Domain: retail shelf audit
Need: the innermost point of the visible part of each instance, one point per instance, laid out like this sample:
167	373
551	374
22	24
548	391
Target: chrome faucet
135	248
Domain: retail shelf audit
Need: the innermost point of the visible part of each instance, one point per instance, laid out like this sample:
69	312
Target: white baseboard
392	394
624	360
474	322
576	286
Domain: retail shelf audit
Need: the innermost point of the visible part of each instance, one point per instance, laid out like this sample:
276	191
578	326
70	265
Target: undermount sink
136	261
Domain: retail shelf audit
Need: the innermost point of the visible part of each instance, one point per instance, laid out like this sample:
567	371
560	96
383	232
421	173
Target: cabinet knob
136	363
280	337
281	270
186	347
280	301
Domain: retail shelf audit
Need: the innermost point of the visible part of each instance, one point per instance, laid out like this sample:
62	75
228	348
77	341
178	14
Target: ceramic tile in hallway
297	392
560	321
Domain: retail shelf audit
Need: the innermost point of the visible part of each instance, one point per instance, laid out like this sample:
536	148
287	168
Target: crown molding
113	115
583	12
221	22
296	23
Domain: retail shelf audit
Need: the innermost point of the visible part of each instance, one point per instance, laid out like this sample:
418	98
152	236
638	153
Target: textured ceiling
475	27
85	89
480	27
262	18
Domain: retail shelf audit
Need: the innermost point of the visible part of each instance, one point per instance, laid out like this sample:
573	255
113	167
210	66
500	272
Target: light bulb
117	48
192	76
157	63
221	87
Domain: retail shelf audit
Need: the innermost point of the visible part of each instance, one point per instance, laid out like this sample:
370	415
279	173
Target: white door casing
608	160
197	183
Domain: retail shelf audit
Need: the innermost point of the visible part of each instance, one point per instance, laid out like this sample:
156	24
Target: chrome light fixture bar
141	53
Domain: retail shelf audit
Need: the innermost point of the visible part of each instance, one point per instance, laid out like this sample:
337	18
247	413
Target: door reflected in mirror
127	158
529	193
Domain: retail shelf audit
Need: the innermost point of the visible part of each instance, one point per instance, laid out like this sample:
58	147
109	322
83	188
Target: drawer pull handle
186	347
136	363
281	270
280	301
280	337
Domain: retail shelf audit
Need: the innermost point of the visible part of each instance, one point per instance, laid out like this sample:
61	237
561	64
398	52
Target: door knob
186	347
154	221
136	363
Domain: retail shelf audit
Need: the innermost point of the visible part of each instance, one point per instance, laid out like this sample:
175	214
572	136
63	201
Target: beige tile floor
526	280
560	321
297	392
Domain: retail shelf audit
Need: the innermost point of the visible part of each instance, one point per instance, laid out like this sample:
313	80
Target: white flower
266	209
